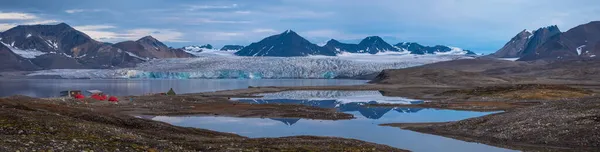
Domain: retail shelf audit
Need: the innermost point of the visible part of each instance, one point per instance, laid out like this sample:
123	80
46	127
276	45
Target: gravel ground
28	125
564	125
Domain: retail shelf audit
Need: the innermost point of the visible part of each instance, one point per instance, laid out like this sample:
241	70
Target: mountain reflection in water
368	112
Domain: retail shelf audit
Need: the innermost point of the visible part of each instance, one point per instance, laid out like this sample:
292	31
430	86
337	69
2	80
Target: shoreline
528	96
439	97
29	124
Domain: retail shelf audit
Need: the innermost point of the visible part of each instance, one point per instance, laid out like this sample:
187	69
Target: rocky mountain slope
10	61
61	46
549	43
515	47
149	47
290	44
416	48
579	42
33	47
339	47
374	45
286	44
232	48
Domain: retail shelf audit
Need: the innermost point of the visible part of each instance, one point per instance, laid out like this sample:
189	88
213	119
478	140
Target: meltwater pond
365	127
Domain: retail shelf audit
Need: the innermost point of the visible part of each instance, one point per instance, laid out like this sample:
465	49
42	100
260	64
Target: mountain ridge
549	43
61	46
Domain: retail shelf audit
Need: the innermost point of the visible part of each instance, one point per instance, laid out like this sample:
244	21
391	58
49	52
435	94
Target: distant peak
149	37
288	32
333	41
549	28
373	37
63	24
406	43
60	26
207	46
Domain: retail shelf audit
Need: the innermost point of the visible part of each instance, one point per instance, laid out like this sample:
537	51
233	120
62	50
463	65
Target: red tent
79	96
113	99
98	97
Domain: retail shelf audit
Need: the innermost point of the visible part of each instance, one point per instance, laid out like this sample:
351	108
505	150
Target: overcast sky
480	25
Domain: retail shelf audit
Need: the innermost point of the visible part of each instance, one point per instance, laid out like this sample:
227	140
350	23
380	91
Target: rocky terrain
549	43
150	48
486	71
416	48
10	61
550	105
35	47
289	44
28	125
232	48
564	125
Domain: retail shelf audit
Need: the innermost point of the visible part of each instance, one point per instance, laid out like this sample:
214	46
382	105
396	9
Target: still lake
365	127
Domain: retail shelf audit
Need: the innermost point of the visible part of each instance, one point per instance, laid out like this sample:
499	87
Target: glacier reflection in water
344	101
365	127
361	128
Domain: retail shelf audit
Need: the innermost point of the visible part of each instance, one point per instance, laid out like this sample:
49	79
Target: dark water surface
120	87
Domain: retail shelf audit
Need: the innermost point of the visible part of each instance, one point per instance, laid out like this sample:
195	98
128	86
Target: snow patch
52	44
29	53
193	48
579	49
203	52
67	55
509	59
82	56
453	51
136	56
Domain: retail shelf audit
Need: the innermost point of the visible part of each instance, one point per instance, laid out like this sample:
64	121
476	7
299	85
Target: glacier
219	65
341	97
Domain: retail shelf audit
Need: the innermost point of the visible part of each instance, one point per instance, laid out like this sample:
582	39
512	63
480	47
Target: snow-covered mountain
416	48
207	50
32	47
232	48
10	61
290	44
374	45
526	42
286	44
370	45
580	42
149	47
339	47
196	48
62	47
